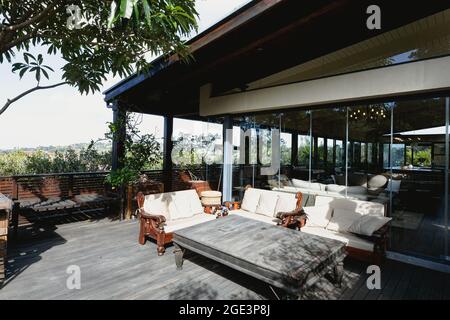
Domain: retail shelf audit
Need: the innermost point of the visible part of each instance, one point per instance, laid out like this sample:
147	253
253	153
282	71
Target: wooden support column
167	156
118	146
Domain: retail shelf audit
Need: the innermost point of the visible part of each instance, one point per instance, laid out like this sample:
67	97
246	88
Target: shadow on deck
114	266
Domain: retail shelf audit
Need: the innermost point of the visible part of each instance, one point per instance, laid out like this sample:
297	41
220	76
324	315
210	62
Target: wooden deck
114	266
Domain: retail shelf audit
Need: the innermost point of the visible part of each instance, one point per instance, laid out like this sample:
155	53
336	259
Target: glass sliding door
418	180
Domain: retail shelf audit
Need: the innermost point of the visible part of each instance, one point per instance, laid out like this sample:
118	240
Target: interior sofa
362	225
372	190
163	213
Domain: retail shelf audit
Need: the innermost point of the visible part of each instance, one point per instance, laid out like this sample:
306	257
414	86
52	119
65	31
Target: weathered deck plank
114	266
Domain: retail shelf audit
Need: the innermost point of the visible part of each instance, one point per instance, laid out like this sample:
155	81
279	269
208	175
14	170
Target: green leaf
40	59
45	73
38	75
45	66
26	57
22	72
126	8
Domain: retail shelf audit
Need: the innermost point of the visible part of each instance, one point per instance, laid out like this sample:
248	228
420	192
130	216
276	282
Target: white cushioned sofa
334	190
362	225
263	205
163	213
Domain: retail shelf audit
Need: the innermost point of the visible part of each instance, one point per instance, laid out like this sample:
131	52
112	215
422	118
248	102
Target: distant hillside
99	146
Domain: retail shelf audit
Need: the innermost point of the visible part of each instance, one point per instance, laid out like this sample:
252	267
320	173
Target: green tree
13	163
95	37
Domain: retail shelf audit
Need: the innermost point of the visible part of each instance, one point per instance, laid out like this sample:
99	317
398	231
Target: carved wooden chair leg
142	232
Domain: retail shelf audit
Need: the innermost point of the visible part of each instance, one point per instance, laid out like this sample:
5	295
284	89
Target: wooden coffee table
284	258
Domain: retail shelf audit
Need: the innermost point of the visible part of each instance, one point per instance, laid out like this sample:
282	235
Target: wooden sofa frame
152	226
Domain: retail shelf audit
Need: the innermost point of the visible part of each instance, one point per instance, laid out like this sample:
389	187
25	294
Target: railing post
70	186
15	189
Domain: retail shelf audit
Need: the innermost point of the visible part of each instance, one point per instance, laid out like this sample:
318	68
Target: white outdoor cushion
267	203
196	204
367	224
254	216
300	183
359	206
356	190
349	239
318	216
376	181
342	220
157	204
251	199
186	203
316	186
175	225
335	188
286	203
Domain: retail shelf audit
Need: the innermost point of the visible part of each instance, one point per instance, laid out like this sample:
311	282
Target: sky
62	116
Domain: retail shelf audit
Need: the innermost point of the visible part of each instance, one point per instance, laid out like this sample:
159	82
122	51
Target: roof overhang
260	39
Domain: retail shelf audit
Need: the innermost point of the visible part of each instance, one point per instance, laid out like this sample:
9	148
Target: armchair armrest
155	217
295	219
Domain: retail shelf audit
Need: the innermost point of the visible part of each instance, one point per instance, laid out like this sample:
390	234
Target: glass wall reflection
392	153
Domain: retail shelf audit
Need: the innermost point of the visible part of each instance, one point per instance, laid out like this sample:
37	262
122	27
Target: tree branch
23	94
33	19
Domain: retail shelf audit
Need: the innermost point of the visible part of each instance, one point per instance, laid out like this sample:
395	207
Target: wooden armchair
152	226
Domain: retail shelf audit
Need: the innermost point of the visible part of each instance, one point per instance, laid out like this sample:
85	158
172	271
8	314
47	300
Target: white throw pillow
183	204
300	183
342	220
285	203
267	203
318	216
251	200
367	225
156	204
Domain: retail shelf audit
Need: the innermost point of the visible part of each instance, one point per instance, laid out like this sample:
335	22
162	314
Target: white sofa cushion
300	183
286	203
157	204
174	225
368	224
254	216
318	216
251	199
359	206
342	219
187	204
335	188
267	203
349	239
376	181
356	190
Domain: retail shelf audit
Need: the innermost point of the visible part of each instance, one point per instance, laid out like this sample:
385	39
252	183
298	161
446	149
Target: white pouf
211	198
